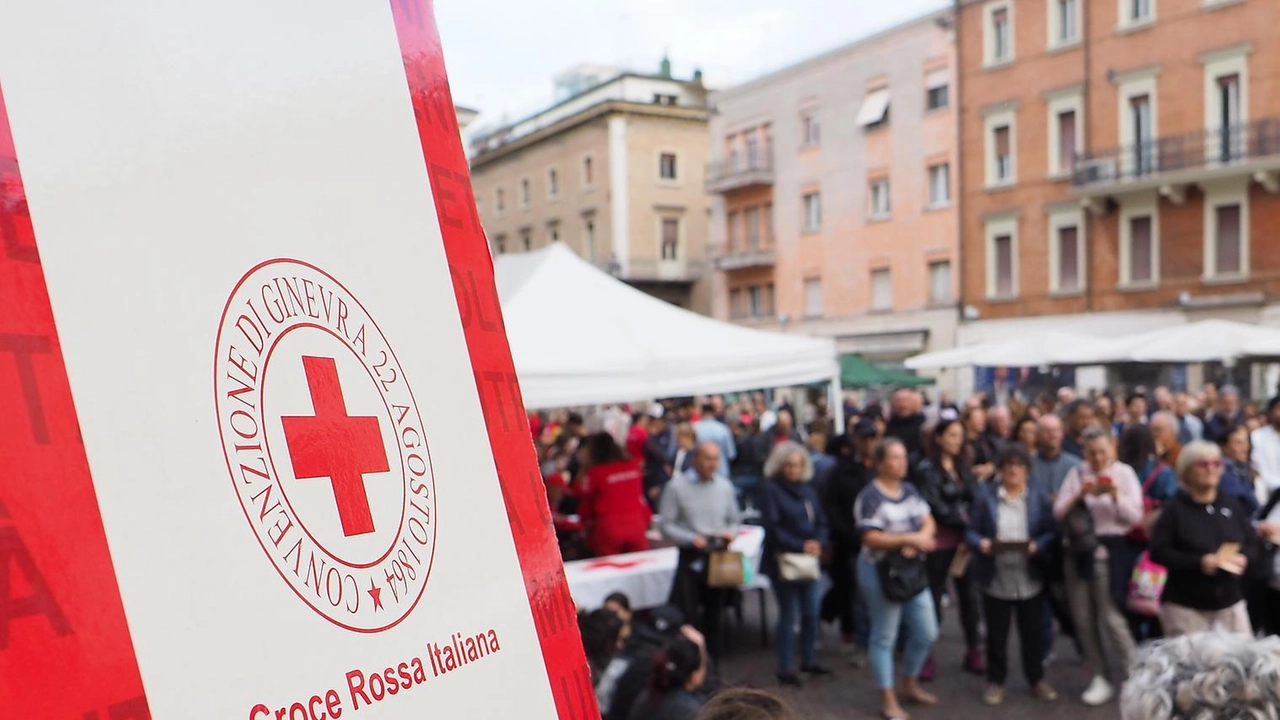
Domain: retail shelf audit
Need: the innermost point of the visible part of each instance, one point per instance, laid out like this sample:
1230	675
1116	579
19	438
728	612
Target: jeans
804	598
850	608
916	615
1029	615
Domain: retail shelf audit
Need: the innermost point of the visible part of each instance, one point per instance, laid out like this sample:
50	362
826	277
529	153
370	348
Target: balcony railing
1185	157
649	270
723	176
739	258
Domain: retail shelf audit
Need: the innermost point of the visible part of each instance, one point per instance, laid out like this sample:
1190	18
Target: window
879	198
664	99
752	216
874	112
588	171
753	151
881	290
997	38
768	224
526	239
940	282
813	297
500	244
1002	254
670	239
1143	141
812	212
755	301
1066	140
732	220
1066	250
1064	22
500	200
589	238
937	93
553	231
735	304
667	166
1139	242
1001	146
553	183
1066	132
937	98
1139	11
811	131
1226	229
939	185
1227	251
1226	101
526	194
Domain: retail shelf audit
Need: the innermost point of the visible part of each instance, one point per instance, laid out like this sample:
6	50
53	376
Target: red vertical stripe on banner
65	650
472	269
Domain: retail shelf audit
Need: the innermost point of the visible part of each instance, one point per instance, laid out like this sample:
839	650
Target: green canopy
855	372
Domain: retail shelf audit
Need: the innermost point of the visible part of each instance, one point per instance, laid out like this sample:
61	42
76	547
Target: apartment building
833	208
614	170
1119	164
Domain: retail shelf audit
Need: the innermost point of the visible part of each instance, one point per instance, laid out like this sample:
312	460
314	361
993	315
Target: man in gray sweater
699	512
1051	463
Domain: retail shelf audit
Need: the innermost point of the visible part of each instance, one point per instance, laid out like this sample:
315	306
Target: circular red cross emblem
325	445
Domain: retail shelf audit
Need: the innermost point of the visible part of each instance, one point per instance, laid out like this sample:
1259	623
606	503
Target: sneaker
974	663
858	658
1098	693
1044	692
814	669
928	671
789	679
993	695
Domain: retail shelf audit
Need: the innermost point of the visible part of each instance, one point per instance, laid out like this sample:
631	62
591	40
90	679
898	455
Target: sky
501	54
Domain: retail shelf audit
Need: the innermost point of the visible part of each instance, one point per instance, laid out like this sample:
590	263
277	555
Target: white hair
781	453
1204	676
1166	418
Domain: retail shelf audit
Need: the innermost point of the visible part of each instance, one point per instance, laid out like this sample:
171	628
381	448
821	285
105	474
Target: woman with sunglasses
1205	540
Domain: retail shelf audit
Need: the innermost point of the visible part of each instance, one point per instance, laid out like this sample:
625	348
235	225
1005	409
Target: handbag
901	577
799	567
1079	531
1146	586
725	569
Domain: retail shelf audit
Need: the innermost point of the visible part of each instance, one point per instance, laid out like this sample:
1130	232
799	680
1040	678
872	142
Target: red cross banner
263	454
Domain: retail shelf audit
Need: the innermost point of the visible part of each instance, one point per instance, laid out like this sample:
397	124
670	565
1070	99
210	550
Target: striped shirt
874	510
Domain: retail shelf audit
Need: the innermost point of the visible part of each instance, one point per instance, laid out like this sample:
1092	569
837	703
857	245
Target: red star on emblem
375	592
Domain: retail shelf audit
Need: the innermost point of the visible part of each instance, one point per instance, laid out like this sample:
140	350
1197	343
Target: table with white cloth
646	577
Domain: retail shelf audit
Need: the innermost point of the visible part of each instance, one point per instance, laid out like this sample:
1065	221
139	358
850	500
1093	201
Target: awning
874	107
936	79
856	372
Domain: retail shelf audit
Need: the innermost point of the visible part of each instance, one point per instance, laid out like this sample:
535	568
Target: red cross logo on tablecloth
334	445
618	564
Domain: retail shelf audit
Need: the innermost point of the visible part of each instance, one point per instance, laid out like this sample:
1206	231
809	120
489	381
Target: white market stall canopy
1204	341
579	336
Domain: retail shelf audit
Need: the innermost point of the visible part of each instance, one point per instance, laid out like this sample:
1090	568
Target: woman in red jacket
613	508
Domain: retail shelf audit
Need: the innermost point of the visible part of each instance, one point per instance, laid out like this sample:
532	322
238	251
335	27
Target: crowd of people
1113	522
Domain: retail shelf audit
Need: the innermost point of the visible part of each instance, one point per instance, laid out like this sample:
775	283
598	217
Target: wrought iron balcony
739	258
1178	159
725	176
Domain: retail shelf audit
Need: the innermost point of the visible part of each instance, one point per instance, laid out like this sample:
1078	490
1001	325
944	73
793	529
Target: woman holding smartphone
1098	578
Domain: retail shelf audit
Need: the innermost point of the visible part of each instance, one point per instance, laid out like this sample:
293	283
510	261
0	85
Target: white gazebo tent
582	337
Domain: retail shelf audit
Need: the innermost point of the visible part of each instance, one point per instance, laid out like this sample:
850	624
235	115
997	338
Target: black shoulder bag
901	577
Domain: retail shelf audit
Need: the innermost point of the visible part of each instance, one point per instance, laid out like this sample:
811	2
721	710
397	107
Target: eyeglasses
1209	464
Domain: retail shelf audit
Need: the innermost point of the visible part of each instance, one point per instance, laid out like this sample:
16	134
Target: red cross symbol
619	564
334	445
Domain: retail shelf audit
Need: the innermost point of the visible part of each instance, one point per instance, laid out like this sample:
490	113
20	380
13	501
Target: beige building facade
834	195
614	171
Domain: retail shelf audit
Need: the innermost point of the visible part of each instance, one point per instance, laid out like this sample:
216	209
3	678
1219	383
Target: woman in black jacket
947	484
679	670
1205	540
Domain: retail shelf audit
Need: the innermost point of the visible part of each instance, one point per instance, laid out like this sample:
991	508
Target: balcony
654	271
723	177
741	258
1175	160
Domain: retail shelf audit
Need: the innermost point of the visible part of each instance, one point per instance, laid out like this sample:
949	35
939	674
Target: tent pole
836	403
